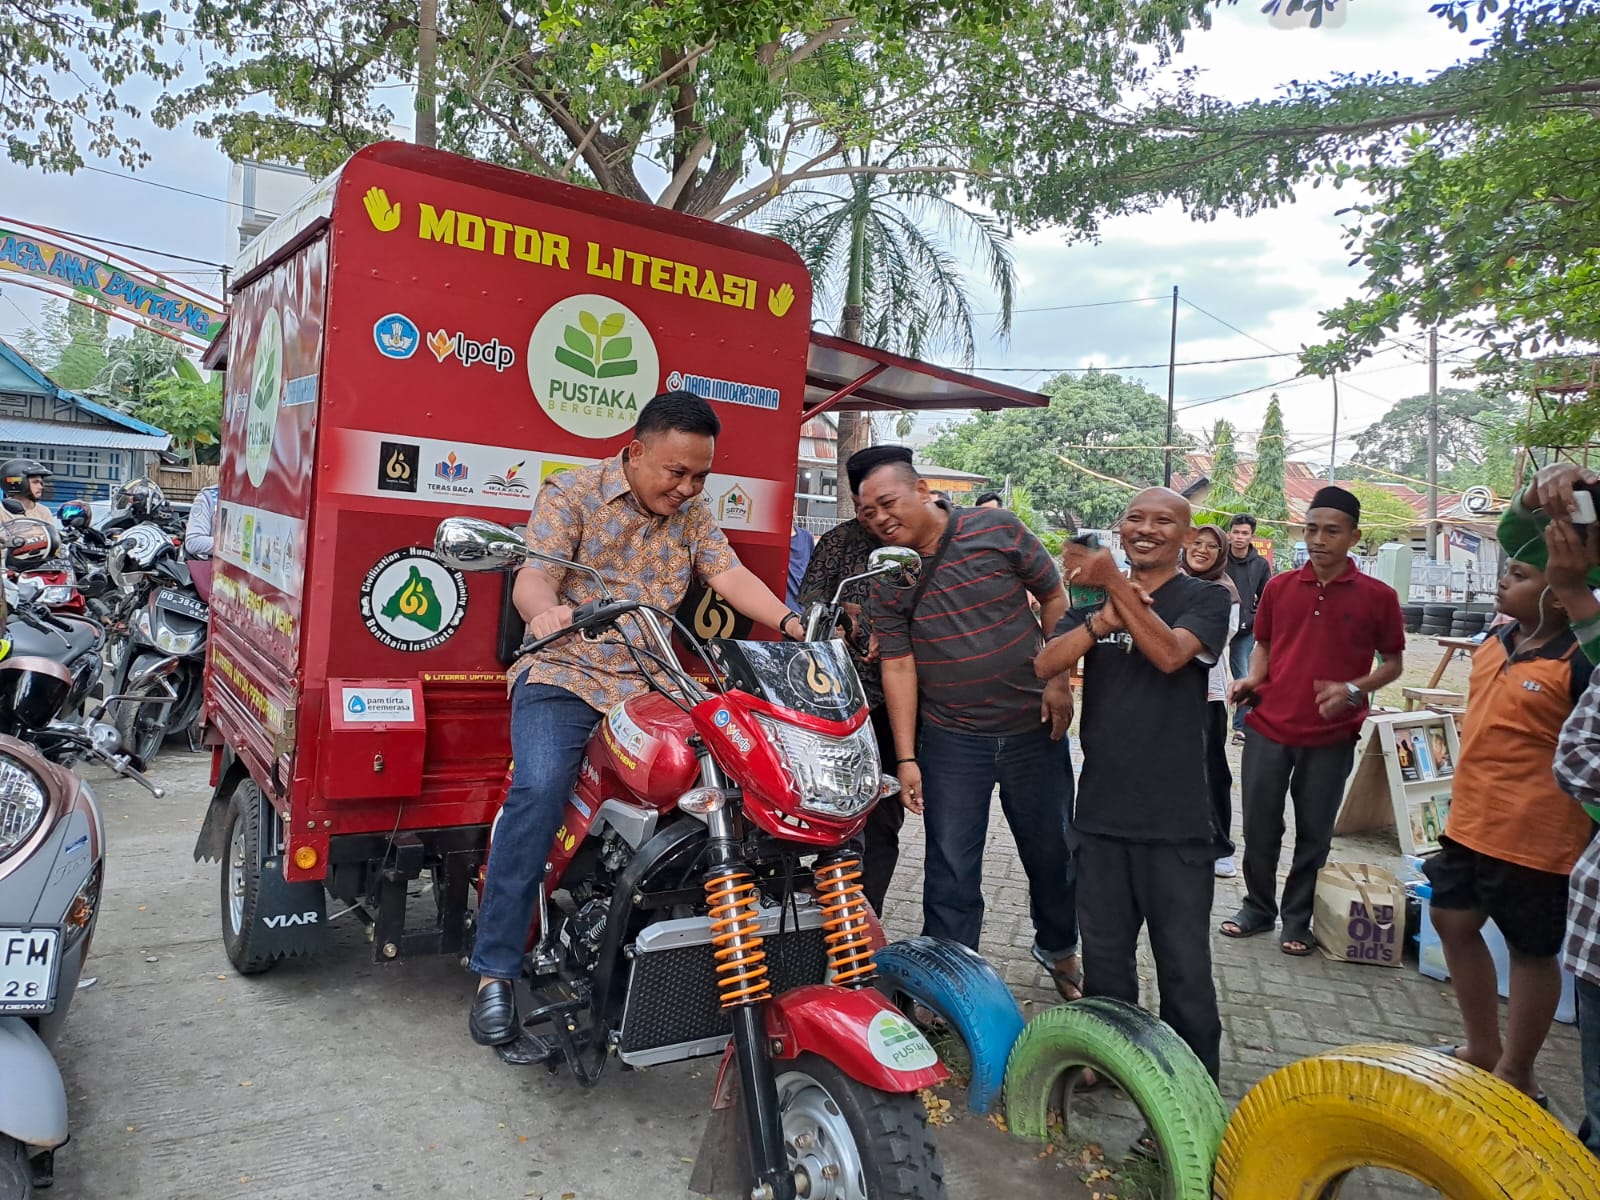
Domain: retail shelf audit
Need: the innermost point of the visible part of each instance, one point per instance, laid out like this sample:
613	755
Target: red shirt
1320	632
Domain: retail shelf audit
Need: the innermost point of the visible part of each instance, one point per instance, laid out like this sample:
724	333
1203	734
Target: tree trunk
427	75
855	432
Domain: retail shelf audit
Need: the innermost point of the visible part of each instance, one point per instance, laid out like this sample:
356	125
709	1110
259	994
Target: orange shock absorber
736	942
845	923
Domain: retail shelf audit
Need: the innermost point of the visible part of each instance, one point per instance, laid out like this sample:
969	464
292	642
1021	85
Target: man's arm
1063	653
1577	763
1051	609
198	541
739	586
1571	555
1168	648
1243	691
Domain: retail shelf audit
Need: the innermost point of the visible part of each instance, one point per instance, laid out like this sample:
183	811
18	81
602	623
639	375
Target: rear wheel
854	1142
16	1172
241	880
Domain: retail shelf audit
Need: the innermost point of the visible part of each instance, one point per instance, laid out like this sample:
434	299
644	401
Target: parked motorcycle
84	548
52	840
679	907
158	670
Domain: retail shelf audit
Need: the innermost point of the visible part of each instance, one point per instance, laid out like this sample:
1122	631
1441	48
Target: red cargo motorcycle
703	888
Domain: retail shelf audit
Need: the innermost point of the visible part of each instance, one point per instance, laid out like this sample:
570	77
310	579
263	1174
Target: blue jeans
1589	1039
959	774
1239	666
549	729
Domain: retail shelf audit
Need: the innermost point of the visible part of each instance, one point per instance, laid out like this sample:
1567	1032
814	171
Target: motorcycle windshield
814	678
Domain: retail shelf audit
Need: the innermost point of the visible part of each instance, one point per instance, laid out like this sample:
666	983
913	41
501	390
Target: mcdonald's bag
1360	914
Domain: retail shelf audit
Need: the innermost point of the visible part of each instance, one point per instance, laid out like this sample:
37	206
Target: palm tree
883	249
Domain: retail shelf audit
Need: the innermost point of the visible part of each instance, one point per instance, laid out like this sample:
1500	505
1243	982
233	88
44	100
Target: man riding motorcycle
22	479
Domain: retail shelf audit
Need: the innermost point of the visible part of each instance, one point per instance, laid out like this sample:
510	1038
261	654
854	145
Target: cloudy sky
1268	275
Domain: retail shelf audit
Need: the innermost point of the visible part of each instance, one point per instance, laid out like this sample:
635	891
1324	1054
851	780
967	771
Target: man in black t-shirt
1146	839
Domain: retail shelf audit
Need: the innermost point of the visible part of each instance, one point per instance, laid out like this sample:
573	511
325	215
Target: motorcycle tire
241	880
16	1172
1299	1132
1143	1057
880	1143
142	727
960	987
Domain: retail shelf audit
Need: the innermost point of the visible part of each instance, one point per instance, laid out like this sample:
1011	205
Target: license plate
190	606
28	964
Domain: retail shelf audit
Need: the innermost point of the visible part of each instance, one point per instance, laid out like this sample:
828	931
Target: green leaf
576	341
612	325
616	370
568	358
590	325
617	348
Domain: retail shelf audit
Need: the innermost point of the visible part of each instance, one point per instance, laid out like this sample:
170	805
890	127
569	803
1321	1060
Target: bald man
1146	837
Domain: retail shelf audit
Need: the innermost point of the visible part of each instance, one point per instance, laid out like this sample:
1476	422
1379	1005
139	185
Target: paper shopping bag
1359	915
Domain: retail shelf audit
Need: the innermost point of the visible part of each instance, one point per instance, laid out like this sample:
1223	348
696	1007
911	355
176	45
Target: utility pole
427	73
1172	384
1433	444
1333	450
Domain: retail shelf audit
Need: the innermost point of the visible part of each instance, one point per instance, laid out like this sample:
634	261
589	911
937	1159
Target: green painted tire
1146	1059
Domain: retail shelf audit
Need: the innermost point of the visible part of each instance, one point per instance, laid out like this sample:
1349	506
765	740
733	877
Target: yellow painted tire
1300	1130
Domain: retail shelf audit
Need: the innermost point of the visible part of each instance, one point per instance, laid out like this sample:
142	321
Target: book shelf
1402	778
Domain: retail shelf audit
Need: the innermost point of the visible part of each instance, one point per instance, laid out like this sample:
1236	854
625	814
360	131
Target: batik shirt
1578	773
589	516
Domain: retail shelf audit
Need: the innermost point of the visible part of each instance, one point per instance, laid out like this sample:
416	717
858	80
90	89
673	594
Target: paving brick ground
1275	1009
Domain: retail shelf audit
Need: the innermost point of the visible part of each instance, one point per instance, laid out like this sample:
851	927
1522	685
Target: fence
183	483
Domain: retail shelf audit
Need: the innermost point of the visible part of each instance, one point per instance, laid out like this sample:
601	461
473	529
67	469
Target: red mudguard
858	1031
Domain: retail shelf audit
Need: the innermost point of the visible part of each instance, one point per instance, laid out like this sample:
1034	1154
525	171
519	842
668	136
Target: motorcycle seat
80	636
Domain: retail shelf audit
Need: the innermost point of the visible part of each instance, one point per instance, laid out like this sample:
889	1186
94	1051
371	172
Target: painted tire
1146	1059
961	986
1300	1130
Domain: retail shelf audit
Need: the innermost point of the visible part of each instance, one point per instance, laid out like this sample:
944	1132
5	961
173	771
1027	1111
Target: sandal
1244	925
1063	980
1144	1146
1297	947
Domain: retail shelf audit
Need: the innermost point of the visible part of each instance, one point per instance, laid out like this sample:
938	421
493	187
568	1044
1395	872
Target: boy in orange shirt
1513	835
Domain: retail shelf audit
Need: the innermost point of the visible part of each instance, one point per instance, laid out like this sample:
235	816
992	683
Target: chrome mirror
901	557
470	544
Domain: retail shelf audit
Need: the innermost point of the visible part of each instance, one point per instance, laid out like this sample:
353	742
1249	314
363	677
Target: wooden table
1452	646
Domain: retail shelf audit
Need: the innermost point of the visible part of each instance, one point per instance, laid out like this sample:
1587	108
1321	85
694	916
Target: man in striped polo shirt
965	637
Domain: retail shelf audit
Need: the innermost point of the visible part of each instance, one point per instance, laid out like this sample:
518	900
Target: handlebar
590	615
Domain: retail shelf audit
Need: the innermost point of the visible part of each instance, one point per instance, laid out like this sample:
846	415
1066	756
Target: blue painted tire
960	986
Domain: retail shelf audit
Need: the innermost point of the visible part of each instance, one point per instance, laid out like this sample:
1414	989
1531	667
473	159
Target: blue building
92	449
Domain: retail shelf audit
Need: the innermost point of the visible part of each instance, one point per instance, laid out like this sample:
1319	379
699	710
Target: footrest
526	1050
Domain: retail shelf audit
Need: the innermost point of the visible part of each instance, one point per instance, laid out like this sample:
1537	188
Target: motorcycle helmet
15	473
141	497
74	514
29	544
134	552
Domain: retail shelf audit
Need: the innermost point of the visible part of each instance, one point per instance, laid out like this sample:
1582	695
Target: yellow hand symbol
383	215
779	300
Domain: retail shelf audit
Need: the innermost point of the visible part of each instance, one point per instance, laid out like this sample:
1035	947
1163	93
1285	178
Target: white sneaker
1225	868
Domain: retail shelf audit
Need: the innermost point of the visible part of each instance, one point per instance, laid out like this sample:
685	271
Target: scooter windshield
814	678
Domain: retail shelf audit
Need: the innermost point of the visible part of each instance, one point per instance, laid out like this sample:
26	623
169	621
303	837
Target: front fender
860	1032
33	1100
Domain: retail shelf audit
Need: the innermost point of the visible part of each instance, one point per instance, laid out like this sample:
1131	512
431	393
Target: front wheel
142	726
16	1172
853	1142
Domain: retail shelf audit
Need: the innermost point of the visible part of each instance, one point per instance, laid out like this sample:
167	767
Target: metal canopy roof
841	374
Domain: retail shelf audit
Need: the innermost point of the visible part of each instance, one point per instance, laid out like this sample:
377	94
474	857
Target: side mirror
903	558
471	544
13	505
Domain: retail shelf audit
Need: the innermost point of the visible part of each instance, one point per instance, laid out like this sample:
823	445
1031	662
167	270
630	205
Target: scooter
52	840
702	897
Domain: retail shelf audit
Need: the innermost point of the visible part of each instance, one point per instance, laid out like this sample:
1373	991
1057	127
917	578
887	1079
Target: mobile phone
1078	595
1582	506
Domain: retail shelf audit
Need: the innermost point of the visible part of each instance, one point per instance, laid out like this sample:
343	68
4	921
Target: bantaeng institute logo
399	464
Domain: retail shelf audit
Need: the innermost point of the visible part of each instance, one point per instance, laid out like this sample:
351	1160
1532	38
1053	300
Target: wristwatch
1356	696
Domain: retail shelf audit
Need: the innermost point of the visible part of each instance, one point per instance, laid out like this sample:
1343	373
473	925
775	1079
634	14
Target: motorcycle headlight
22	805
55	593
835	777
175	643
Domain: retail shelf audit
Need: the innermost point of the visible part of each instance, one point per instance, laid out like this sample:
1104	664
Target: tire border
963	988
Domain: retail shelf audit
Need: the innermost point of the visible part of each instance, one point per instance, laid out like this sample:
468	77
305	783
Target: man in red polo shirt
1311	674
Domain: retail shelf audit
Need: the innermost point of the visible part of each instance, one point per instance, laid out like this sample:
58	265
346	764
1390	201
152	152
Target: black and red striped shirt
974	633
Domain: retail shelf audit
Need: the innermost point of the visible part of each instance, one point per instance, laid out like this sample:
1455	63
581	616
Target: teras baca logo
451	475
468	352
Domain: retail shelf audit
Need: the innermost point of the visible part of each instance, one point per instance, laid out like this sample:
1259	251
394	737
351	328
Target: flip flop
1062	979
1244	926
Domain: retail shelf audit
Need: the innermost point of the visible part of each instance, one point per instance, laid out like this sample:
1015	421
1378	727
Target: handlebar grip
534	645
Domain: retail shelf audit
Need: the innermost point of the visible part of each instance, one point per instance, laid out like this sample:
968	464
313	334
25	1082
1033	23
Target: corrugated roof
24	431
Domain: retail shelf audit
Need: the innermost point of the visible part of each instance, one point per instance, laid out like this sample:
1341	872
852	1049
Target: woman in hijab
1205	557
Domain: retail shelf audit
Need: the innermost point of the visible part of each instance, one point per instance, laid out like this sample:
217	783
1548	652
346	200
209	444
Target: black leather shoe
493	1019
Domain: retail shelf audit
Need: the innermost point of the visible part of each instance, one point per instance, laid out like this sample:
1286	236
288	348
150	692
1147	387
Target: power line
1070	307
1198	362
169	188
94	241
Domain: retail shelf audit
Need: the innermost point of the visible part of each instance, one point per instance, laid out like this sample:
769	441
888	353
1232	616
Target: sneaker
1226	868
1238	737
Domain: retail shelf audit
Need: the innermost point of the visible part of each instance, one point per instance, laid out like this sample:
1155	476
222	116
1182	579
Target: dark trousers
1219	775
880	840
1313	778
1589	1043
549	729
1168	889
959	774
1239	651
